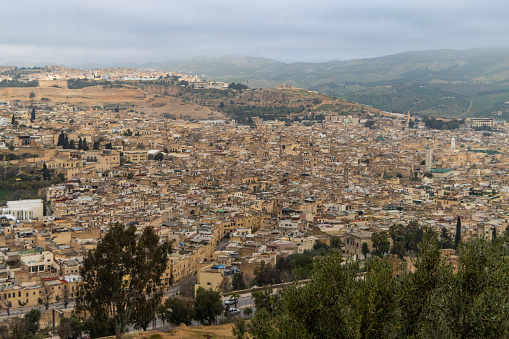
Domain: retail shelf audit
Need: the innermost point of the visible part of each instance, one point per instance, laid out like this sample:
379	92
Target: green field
489	101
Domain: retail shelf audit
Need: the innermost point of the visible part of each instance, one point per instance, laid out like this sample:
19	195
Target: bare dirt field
99	96
184	332
177	108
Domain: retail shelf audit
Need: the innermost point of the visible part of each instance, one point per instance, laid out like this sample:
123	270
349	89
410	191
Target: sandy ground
179	109
98	96
181	332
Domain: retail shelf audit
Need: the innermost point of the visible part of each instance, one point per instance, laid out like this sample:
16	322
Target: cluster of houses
230	197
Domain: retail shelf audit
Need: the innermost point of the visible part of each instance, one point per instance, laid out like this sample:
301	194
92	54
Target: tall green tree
457	238
445	238
240	328
19	329
266	275
32	96
98	328
380	242
207	305
84	145
238	281
66	142
418	288
120	273
365	249
61	139
266	300
145	311
32	115
397	232
159	156
261	327
70	328
177	310
32	318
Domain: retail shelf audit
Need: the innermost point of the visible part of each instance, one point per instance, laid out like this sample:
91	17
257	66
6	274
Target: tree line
79	83
433	123
63	140
16	83
244	114
437	299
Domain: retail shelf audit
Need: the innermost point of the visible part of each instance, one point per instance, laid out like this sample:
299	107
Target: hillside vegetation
464	298
289	104
439	83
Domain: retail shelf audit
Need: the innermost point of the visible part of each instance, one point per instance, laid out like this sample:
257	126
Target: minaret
408	117
453	142
428	159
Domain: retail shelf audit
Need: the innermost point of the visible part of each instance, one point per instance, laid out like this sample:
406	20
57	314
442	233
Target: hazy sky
127	31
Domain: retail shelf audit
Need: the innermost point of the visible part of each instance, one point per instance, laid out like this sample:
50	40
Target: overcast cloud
127	31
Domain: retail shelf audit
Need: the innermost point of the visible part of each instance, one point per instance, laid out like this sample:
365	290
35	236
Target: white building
37	261
24	209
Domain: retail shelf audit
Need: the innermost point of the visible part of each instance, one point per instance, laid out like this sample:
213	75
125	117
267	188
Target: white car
234	311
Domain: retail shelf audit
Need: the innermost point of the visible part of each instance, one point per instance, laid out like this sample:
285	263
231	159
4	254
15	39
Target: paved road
245	301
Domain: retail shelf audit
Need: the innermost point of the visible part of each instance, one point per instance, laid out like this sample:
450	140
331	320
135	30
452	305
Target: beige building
136	156
210	276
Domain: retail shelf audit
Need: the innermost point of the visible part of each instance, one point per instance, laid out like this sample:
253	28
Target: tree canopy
207	305
436	300
121	275
177	310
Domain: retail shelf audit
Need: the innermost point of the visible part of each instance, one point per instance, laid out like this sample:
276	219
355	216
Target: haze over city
128	32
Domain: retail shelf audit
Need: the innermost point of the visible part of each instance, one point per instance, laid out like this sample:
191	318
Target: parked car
229	302
234	311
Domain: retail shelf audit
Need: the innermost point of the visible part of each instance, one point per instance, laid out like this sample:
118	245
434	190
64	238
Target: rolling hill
450	83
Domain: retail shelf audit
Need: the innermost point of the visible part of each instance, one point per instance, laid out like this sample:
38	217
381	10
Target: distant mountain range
448	83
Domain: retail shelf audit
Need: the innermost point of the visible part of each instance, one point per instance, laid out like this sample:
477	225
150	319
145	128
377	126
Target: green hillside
438	83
